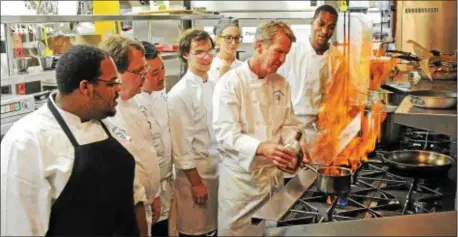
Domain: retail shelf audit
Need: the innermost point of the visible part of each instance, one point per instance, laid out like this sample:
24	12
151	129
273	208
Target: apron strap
61	122
105	128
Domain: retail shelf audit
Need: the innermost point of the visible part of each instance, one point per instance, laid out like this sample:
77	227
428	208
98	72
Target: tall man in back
309	65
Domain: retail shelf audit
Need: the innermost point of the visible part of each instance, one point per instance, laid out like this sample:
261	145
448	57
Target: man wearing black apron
89	195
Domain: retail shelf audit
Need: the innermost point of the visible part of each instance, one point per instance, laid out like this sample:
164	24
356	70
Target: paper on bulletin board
248	34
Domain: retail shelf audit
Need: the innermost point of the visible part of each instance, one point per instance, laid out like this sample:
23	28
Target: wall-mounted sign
248	34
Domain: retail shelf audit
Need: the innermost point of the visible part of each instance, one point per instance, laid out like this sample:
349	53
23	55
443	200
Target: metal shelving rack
14	78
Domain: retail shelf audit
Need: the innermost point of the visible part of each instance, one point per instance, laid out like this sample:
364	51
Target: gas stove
417	139
375	193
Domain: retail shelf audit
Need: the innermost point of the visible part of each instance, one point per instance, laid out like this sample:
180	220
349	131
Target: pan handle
308	166
381	155
417	100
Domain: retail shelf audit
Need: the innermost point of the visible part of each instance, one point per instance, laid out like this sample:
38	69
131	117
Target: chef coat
248	110
216	64
37	161
154	108
189	104
308	74
130	126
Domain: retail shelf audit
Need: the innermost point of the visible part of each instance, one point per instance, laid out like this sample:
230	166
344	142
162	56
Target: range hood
430	23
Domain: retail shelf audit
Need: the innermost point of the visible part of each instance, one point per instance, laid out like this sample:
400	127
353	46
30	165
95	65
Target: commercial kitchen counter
433	224
438	120
403	86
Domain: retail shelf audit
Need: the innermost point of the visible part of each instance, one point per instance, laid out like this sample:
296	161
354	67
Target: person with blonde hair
252	116
131	127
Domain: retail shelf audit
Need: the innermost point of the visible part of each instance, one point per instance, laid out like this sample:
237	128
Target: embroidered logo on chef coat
121	133
164	95
278	94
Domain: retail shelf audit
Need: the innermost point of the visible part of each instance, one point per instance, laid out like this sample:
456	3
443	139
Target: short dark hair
151	51
118	49
81	62
325	8
187	37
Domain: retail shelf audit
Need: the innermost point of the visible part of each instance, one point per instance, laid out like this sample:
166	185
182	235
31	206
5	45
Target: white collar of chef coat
254	79
69	118
217	62
309	48
196	79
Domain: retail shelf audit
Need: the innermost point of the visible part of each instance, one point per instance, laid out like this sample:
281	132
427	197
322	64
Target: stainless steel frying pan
416	163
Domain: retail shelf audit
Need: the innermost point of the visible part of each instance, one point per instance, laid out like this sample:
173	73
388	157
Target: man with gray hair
131	128
252	115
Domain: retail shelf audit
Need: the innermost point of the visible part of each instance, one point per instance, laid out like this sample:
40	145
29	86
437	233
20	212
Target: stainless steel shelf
49	75
437	120
169	55
37	75
91	18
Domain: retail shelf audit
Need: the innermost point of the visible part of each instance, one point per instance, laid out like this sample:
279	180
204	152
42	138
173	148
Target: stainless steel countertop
401	85
434	224
274	209
437	120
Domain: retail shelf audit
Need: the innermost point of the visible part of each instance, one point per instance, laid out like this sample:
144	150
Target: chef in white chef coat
153	104
131	126
228	38
195	159
309	65
252	117
63	173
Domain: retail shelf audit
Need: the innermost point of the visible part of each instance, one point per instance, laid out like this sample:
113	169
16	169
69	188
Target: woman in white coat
227	37
189	103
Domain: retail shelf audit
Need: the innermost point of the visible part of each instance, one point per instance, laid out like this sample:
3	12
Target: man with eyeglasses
62	171
131	127
194	156
153	104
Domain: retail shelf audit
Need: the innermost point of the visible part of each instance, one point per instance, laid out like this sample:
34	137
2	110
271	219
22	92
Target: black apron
98	199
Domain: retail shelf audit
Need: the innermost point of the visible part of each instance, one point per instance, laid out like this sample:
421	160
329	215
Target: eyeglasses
142	74
114	83
201	54
230	38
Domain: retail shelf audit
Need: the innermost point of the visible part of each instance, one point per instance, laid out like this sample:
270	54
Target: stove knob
25	105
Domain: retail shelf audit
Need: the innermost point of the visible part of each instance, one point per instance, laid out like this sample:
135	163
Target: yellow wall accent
105	28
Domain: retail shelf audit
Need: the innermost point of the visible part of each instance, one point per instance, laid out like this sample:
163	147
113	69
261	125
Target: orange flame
339	107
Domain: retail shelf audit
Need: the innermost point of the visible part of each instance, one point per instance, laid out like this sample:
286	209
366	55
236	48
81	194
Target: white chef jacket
190	116
248	110
129	125
36	164
307	74
189	104
154	108
214	69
